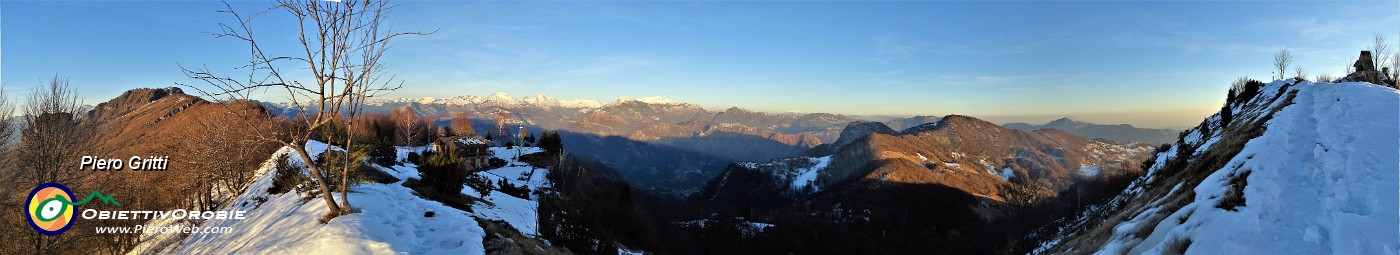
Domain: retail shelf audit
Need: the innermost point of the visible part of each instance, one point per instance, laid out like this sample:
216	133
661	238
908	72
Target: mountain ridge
979	174
1124	133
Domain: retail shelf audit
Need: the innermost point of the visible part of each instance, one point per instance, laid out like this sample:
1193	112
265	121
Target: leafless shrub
1281	61
1380	50
341	44
52	139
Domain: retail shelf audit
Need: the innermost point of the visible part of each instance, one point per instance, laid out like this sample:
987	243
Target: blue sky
1153	63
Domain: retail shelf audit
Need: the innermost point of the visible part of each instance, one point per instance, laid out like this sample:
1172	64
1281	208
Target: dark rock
1364	62
1366	71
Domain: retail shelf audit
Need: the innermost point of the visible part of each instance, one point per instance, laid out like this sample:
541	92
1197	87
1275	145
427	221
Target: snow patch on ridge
808	176
1007	173
1090	171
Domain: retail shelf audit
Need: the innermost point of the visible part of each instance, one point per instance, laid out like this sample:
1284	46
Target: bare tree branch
341	45
1281	61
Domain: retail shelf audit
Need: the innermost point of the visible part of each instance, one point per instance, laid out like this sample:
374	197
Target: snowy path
1323	180
391	221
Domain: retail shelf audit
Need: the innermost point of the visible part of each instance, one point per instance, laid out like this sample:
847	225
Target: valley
707	127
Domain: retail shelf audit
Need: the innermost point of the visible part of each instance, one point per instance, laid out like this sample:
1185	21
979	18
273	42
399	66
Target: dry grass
1177	246
502	239
1234	196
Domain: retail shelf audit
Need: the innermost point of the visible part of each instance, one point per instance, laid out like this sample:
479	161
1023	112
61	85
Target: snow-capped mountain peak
648	100
426	100
658	100
579	103
499	97
541	100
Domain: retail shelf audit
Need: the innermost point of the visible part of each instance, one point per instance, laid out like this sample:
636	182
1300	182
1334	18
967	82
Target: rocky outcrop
1366	72
136	98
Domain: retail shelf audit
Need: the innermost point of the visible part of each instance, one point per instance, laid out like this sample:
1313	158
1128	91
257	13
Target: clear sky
1153	63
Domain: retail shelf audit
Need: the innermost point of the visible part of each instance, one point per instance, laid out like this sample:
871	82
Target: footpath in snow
391	219
1322	179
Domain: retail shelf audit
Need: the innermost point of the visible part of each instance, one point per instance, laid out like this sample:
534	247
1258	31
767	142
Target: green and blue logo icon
51	209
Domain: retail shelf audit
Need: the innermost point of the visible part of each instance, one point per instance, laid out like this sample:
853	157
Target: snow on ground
1089	170
808	176
698	223
315	148
1007	173
625	251
1322	179
391	221
520	213
402	151
798	172
749	229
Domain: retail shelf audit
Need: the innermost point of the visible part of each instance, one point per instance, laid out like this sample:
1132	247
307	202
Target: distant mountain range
954	183
674	146
653	141
644	119
838	179
1122	133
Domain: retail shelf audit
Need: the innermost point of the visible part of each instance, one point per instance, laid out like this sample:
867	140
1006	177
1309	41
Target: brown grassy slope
958	151
140	122
162	122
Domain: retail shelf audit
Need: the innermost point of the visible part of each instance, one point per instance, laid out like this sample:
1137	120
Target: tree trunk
320	181
345	168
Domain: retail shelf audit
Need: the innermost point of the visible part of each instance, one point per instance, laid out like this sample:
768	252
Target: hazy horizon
1149	64
1170	120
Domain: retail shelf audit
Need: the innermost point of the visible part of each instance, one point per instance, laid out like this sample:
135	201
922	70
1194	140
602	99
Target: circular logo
50	208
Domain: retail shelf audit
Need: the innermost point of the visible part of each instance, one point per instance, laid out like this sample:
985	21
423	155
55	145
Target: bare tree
52	134
7	135
1238	85
1299	74
462	125
1281	61
501	132
1325	78
341	44
406	127
53	138
225	149
1395	67
7	124
1380	49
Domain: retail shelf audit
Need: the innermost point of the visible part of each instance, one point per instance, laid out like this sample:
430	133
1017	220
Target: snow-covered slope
519	212
799	172
1320	179
391	218
391	221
